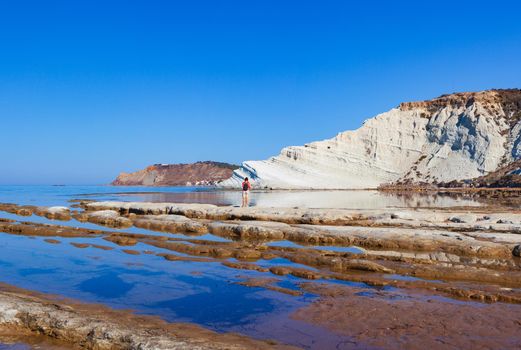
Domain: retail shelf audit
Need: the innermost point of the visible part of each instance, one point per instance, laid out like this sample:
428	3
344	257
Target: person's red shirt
246	185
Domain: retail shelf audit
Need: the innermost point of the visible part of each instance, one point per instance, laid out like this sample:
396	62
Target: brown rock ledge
412	320
93	326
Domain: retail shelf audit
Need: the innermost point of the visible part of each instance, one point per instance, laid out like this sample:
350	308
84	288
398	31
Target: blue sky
92	88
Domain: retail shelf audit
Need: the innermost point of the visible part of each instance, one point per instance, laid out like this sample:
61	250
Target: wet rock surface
397	320
392	261
13	338
97	327
54	213
109	218
411	230
169	223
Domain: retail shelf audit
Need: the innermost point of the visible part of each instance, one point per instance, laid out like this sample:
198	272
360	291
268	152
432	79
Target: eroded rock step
93	326
438	266
466	234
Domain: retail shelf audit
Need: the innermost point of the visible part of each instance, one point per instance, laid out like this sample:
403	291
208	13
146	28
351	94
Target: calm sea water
61	195
205	293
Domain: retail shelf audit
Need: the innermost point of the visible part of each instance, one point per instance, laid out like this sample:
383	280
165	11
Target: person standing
246	187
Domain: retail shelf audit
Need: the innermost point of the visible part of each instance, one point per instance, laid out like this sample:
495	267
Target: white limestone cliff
453	137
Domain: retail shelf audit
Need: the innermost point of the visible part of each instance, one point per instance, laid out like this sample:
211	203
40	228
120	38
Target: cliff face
505	176
453	137
194	174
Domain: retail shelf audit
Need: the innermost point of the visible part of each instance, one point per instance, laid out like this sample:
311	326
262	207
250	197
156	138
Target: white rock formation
453	137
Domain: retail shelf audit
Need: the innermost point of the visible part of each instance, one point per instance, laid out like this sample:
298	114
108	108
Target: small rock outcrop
192	174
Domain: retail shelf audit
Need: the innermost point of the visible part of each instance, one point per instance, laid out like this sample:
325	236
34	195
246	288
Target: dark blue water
203	293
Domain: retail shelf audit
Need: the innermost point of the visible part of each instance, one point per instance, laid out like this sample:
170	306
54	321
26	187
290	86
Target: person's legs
245	198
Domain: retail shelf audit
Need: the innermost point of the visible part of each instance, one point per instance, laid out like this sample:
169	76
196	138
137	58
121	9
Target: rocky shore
467	254
92	326
421	230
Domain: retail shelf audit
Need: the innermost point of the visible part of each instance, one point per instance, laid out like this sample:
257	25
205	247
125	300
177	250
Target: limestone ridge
452	137
194	174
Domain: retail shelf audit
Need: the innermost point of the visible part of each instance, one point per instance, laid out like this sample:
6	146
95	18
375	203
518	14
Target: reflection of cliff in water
489	198
359	199
429	200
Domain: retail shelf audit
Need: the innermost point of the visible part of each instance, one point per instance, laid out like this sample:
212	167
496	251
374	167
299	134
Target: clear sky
91	88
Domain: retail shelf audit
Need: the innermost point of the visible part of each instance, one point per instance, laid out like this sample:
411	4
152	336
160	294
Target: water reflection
202	292
52	195
108	285
305	199
230	306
